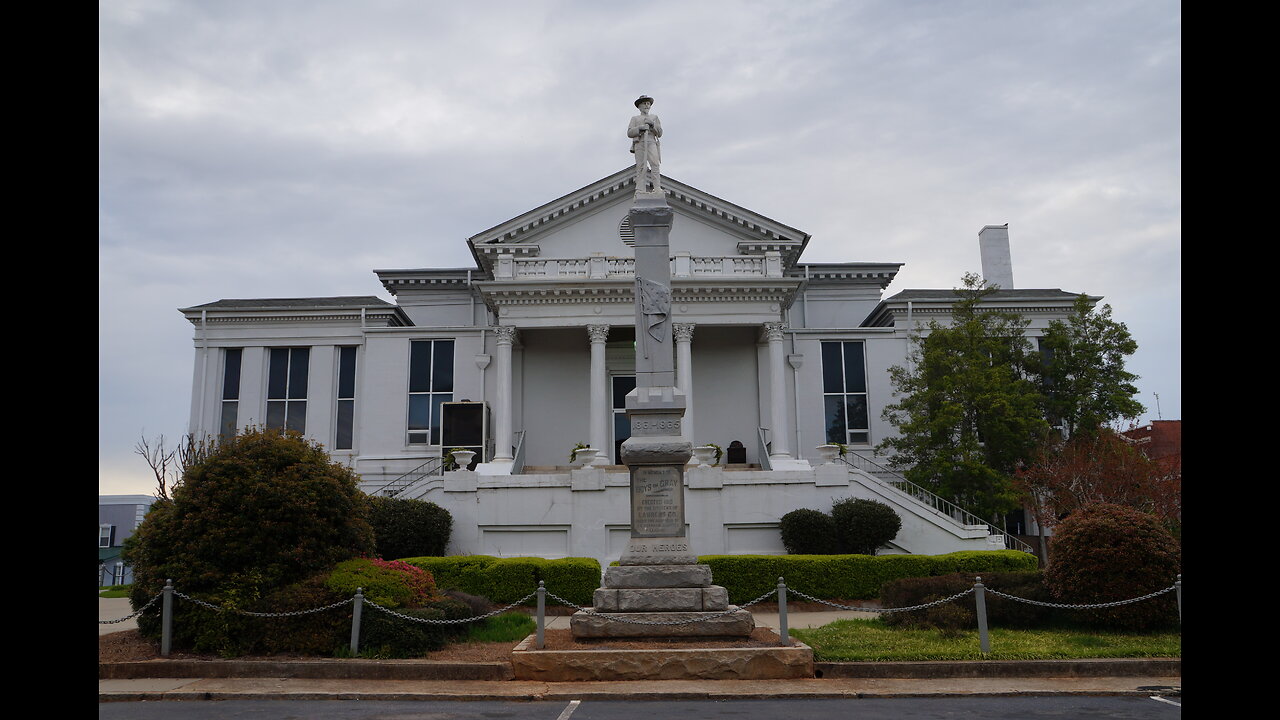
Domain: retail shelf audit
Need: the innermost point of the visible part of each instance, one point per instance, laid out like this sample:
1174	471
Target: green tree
1084	373
971	409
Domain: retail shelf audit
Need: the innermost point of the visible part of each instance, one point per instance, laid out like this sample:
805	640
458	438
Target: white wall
556	393
586	513
726	387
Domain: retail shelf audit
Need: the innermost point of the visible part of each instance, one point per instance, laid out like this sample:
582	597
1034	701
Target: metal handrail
933	501
398	485
765	464
517	457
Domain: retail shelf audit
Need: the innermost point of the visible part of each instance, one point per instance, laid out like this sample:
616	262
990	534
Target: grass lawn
114	591
507	627
862	640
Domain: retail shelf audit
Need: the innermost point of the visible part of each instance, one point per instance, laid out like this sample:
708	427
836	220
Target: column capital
683	331
772	332
598	333
505	334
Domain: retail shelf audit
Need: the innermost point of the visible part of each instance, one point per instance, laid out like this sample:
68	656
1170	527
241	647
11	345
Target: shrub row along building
530	353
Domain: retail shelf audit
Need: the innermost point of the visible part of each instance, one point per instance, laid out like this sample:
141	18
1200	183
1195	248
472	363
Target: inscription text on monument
657	501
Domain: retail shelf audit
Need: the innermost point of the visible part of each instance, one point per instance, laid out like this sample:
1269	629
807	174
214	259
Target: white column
506	337
779	432
598	432
683	333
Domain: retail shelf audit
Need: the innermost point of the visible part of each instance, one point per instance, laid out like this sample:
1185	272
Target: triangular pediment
592	220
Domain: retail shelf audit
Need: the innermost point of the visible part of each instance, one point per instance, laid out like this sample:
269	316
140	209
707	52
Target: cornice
888	312
391	318
397	281
499	293
820	274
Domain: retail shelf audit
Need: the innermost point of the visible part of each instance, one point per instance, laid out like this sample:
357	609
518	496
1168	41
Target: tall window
346	398
430	384
106	536
287	389
844	387
230	391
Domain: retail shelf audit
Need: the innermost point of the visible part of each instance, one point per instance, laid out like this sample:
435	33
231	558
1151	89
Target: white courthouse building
532	350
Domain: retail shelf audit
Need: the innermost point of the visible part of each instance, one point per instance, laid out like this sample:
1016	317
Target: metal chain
1083	607
456	621
293	613
135	613
883	610
620	618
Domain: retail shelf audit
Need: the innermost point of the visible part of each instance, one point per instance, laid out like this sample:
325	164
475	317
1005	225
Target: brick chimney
997	266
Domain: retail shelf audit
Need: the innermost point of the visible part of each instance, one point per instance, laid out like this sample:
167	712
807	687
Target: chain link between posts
1065	606
925	606
455	621
135	613
293	613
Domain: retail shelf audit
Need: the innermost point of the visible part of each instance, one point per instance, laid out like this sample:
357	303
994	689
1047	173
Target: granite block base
736	623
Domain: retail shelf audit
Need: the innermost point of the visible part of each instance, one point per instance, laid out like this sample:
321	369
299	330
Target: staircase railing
517	457
946	507
764	450
433	466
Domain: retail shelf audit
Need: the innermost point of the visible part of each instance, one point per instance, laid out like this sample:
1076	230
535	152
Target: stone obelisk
658	579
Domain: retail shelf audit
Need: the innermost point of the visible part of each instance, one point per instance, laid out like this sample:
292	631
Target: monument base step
657	576
766	663
735	623
693	599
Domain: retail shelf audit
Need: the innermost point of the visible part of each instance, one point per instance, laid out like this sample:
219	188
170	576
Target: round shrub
862	526
409	528
1104	553
808	532
264	510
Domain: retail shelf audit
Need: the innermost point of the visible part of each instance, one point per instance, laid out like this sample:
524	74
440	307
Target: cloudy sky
281	148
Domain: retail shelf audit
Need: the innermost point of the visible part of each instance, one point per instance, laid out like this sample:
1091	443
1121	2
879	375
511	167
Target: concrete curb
517	691
1092	668
318	670
375	670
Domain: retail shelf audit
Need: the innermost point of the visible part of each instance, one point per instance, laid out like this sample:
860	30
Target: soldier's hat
643	98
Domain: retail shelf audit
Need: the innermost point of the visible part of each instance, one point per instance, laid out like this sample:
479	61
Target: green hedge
505	580
849	577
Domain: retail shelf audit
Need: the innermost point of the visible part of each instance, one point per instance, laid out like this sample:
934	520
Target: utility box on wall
465	425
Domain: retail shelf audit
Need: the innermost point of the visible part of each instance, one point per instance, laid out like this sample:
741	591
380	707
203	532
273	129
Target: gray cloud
287	148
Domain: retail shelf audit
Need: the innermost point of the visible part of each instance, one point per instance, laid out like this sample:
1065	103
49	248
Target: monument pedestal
658	589
661	601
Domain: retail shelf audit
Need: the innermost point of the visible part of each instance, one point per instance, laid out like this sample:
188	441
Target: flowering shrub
390	583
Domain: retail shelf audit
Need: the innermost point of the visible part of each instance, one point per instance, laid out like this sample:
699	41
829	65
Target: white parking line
573	705
1153	697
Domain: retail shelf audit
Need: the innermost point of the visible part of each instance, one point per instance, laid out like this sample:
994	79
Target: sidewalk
337	689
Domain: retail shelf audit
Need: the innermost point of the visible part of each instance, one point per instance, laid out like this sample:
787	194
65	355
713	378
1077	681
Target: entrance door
622	384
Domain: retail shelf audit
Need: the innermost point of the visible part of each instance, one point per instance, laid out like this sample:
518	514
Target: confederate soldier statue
644	131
